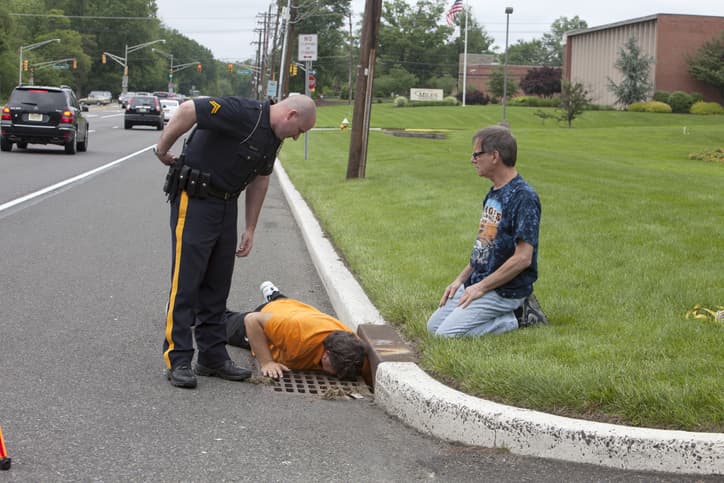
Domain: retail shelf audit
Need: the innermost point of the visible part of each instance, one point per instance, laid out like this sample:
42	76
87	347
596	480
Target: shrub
400	101
534	101
474	97
662	96
702	107
448	101
649	106
680	101
696	97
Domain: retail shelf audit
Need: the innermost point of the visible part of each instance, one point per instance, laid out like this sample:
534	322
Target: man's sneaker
229	371
530	313
268	290
182	376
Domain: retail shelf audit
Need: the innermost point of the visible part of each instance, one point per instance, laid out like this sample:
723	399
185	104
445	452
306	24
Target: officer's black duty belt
197	184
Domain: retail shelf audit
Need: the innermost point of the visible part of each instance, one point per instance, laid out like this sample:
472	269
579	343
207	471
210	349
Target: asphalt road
83	396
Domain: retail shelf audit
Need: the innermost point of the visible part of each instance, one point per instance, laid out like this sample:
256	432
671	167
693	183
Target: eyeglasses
480	153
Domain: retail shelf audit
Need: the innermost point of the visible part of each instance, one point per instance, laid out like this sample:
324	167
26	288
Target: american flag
456	8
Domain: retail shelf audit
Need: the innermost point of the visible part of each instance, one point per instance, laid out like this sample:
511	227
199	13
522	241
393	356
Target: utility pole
288	55
357	162
351	49
272	62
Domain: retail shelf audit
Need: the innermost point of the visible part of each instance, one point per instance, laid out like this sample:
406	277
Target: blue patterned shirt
510	213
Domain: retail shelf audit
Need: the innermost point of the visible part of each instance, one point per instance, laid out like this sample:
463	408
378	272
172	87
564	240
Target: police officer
231	149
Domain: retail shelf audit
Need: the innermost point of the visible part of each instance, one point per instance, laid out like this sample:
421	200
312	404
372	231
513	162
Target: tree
548	50
707	65
574	98
544	82
553	40
635	67
529	52
496	83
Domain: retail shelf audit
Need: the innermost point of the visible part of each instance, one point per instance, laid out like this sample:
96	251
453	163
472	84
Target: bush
696	97
705	108
474	97
448	101
649	106
662	96
400	101
534	101
680	101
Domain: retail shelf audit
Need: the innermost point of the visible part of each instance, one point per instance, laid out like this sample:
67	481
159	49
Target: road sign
307	47
312	82
271	88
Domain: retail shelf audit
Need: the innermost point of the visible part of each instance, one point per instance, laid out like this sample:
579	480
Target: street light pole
25	48
133	48
508	11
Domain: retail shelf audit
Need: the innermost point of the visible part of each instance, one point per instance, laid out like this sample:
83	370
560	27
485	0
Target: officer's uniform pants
203	242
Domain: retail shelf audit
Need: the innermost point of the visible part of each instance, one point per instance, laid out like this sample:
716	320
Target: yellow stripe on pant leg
180	222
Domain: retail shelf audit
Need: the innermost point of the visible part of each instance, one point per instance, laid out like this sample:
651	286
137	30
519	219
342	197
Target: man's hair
346	353
498	138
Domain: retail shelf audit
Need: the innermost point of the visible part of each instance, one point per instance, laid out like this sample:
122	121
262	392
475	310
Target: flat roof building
590	54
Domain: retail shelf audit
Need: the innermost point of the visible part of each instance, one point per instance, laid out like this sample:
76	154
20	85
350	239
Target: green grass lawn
632	236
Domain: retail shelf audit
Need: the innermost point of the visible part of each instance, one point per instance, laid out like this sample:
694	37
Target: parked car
168	106
43	115
98	97
144	111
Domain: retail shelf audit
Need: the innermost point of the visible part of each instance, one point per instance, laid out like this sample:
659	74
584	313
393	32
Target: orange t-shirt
296	332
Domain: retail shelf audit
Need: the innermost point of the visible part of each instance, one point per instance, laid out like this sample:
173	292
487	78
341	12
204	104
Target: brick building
480	66
590	54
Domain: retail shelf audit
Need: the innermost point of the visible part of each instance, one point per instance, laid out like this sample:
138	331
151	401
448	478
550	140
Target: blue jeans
489	314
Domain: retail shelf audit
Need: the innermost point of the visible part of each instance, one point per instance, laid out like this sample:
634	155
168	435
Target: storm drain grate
321	384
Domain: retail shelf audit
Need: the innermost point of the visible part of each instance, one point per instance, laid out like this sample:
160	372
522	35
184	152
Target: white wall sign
417	94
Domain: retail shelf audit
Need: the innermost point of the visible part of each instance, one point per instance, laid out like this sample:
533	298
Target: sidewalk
405	391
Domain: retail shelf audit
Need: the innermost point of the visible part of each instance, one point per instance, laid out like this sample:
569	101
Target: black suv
143	110
43	115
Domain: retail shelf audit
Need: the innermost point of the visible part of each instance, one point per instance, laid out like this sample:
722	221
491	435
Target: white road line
112	115
68	181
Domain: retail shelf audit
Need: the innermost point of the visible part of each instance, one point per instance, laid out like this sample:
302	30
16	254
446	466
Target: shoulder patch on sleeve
215	106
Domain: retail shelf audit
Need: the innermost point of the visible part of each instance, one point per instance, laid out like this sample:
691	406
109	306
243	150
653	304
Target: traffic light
293	69
231	67
75	63
199	68
103	58
25	65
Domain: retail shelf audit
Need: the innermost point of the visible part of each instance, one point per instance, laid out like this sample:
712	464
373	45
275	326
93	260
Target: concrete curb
403	390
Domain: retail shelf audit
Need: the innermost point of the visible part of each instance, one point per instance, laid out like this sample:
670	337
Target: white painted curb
407	392
404	390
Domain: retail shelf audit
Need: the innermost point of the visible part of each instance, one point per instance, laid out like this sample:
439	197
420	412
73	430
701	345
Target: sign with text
271	88
307	47
417	94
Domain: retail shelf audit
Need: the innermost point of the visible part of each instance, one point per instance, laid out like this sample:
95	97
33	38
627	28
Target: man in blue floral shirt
494	292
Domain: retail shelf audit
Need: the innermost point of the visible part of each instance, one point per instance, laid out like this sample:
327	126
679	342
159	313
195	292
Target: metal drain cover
321	384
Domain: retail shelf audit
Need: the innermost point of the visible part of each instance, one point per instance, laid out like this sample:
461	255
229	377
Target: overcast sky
227	27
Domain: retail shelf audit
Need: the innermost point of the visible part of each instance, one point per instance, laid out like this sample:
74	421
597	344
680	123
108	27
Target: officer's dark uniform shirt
222	124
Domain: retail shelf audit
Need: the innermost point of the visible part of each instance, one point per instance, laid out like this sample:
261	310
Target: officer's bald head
293	116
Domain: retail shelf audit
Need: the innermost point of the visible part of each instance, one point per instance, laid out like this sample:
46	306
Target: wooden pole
357	162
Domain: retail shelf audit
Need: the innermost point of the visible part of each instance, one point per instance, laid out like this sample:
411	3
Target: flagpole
465	55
